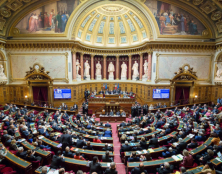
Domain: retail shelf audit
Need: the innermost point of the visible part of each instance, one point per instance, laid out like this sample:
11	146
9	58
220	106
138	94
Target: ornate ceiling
114	25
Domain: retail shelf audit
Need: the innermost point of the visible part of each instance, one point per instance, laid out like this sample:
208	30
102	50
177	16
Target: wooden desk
112	119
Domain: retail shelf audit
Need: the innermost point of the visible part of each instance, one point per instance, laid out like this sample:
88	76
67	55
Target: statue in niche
145	67
77	67
98	69
135	69
124	70
2	74
87	67
219	71
111	69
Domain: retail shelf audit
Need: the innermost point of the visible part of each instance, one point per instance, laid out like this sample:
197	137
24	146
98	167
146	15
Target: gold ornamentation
205	33
219	26
26	1
197	2
208	7
5	12
14	4
112	8
185	73
16	31
217	15
2	23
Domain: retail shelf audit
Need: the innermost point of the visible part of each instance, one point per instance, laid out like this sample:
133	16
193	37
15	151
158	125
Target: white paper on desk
108	164
191	135
53	171
175	158
180	156
109	145
145	151
178	116
40	137
139	152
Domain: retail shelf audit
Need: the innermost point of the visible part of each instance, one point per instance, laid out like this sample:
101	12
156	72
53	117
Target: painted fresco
172	20
49	19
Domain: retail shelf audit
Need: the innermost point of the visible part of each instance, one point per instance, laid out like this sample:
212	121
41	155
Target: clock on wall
37	67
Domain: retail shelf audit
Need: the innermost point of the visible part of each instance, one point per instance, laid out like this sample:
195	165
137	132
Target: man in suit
86	94
67	153
112	169
193	144
88	146
139	170
164	168
126	147
42	131
75	107
106	158
80	143
122	124
108	133
107	124
66	140
44	170
6	107
133	157
11	130
57	160
118	113
111	113
101	92
21	153
4	136
153	143
123	114
182	145
107	148
78	116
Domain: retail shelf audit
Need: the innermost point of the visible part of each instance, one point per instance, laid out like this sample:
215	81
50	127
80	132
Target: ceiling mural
49	19
173	17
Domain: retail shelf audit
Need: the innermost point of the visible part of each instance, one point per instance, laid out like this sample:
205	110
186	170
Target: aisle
120	167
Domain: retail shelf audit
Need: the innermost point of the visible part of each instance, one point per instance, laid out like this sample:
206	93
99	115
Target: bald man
139	170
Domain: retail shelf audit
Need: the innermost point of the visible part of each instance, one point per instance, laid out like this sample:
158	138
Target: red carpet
120	167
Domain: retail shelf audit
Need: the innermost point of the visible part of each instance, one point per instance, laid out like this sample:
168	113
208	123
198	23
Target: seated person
43	146
123	114
146	157
169	153
97	140
80	142
88	146
208	168
31	156
126	147
193	144
187	159
182	145
30	139
134	140
106	158
153	143
108	133
206	157
200	137
78	156
139	169
164	168
112	169
68	153
137	148
13	145
118	113
133	157
173	140
111	113
143	143
21	153
57	161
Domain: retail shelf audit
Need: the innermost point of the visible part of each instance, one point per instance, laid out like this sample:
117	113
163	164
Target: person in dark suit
4	136
21	153
11	130
44	170
108	133
111	113
31	156
122	124
153	143
107	124
86	94
125	147
67	153
143	143
164	168
95	166
112	169
139	170
101	92
133	157
57	160
80	143
182	145
106	158
75	107
193	144
106	147
78	116
66	140
88	146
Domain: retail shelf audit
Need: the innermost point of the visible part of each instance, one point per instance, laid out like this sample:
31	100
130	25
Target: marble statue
145	67
98	69
77	67
2	74
219	72
124	70
87	67
111	69
135	70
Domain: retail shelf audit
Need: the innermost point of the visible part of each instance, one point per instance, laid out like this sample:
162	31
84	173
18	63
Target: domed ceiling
112	25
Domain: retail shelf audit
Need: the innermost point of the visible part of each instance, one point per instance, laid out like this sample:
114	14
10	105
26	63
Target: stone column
74	65
117	67
82	67
104	67
149	66
130	67
141	66
92	67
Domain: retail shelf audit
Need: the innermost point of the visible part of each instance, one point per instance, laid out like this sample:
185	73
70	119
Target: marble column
104	67
141	66
130	67
117	67
92	67
82	67
149	66
74	65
